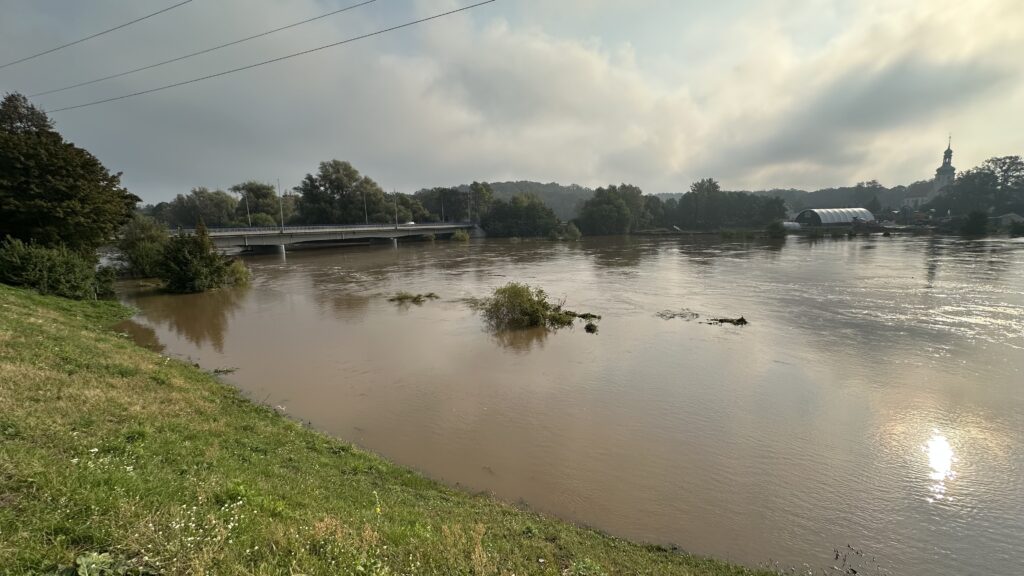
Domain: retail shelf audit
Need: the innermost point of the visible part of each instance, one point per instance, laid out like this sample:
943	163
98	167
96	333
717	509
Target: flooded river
876	398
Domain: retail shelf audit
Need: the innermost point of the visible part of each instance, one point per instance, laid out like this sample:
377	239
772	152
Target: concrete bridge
287	235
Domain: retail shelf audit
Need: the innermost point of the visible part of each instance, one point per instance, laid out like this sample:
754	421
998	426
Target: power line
207	51
273	60
61	47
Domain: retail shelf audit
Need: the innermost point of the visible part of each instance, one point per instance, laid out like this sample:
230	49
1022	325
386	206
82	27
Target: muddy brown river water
876	398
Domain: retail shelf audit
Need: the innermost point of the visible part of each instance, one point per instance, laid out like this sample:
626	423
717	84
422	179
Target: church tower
944	174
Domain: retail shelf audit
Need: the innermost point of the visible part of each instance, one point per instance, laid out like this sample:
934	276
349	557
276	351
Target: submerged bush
975	225
516	306
776	230
404	297
56	271
460	236
142	244
192	264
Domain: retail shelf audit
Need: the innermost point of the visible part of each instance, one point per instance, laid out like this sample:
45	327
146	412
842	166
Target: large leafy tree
262	199
997	186
339	194
524	215
614	210
51	191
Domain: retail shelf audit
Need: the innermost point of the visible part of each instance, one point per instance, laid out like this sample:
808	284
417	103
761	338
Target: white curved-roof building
833	216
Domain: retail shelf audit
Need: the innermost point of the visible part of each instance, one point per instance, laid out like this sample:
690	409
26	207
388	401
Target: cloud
793	93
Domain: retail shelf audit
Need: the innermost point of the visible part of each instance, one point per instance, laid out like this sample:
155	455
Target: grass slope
114	459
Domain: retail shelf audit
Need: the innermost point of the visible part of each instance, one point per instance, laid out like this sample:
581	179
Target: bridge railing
324	228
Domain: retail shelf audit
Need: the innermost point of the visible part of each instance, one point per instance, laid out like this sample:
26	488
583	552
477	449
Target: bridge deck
228	237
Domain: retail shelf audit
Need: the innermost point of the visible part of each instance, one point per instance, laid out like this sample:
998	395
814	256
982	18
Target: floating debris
591	328
410	298
741	321
683	314
221	371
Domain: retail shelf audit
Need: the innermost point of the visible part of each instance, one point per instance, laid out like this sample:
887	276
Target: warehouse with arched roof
834	217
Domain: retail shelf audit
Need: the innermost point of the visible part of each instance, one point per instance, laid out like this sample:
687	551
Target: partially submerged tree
192	264
142	243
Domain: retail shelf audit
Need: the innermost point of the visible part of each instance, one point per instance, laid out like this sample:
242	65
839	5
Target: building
834	217
944	176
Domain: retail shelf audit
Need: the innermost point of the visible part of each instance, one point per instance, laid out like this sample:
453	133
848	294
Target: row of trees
624	209
996	187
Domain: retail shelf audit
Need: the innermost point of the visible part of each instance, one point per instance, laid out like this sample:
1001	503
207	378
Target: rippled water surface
876	398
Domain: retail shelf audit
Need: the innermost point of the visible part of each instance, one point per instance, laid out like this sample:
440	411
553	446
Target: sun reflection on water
941	460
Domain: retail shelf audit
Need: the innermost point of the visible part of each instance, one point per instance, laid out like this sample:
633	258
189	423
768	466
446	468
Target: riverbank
120	457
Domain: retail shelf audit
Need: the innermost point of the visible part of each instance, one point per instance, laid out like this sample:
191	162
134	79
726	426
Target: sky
656	93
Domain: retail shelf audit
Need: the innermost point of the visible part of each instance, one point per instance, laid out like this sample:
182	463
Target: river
875	399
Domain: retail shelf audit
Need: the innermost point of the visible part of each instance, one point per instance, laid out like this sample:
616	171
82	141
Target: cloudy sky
758	94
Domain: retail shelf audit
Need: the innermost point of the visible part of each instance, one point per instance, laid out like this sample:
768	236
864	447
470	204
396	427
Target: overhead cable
201	52
90	37
273	60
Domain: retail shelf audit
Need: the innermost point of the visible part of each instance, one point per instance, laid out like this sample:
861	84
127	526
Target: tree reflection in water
199	318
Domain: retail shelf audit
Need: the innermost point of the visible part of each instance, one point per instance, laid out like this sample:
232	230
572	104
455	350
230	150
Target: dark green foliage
524	216
51	191
776	230
615	210
707	207
565	201
192	264
216	208
339	194
975	225
56	271
264	205
261	220
873	205
516	306
997	186
142	244
404	297
1016	229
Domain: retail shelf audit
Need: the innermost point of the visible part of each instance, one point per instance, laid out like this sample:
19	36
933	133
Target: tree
19	116
142	242
614	210
192	264
975	225
525	215
51	191
873	205
339	194
995	186
256	198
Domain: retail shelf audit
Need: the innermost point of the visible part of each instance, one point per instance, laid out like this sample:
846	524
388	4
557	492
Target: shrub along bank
118	458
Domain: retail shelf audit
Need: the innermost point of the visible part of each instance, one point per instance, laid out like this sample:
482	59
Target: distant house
834	217
944	176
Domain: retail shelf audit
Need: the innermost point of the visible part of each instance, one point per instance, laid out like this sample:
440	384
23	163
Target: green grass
114	459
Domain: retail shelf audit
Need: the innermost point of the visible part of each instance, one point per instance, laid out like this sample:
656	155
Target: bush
975	225
142	245
192	264
460	236
776	230
572	233
56	271
261	220
516	306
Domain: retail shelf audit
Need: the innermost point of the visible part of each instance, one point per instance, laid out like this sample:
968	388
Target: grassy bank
116	457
